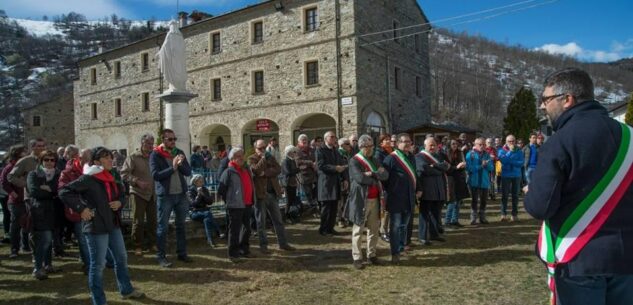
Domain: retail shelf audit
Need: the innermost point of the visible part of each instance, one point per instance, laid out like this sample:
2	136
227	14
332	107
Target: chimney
182	16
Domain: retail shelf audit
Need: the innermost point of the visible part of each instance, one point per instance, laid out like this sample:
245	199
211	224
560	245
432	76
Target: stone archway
260	128
216	136
313	125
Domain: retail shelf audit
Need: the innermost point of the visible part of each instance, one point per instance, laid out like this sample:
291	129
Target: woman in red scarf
98	198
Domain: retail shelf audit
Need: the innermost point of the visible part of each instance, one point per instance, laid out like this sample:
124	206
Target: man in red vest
582	189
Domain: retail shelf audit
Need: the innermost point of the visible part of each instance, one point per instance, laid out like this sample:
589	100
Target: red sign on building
262	125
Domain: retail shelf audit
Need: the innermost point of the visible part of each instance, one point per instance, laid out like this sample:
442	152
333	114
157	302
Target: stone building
51	121
277	68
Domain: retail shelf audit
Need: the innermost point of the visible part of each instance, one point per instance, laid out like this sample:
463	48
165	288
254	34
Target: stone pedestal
177	117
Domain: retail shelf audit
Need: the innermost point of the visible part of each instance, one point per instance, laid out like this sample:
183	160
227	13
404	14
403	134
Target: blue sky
587	30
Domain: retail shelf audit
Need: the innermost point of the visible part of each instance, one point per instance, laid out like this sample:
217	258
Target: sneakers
342	224
514	218
185	258
163	262
503	218
133	295
222	236
211	245
138	252
40	274
425	242
358	264
14	254
384	237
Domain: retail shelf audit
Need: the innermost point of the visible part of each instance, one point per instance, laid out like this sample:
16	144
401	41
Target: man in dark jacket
431	169
330	167
584	195
403	187
169	167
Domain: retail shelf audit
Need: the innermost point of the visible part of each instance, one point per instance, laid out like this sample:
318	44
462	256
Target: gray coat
230	188
329	180
359	185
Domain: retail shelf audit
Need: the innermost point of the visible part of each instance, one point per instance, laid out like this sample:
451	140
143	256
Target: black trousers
430	219
239	230
479	199
328	216
6	215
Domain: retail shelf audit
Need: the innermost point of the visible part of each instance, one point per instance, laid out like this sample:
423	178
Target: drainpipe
388	84
339	85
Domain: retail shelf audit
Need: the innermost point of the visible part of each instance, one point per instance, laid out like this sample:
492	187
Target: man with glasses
331	177
403	189
169	167
511	158
582	188
265	170
136	172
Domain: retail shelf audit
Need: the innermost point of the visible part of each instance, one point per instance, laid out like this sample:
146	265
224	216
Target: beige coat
135	168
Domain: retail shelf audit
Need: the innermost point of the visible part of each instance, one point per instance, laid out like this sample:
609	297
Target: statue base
177	116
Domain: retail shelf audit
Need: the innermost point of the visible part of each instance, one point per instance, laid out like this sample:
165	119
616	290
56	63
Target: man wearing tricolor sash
581	189
431	170
365	193
403	189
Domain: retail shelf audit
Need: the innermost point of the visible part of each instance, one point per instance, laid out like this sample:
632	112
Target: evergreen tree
521	117
628	118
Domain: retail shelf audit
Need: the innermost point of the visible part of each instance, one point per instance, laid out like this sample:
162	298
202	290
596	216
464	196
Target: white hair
235	150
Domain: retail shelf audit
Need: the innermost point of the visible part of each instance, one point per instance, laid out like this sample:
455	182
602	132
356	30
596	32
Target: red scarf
160	149
108	180
245	178
76	163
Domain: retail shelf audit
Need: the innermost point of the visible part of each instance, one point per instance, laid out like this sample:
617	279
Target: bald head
330	139
430	145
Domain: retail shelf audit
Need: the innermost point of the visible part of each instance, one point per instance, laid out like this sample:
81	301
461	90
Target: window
417	43
145	101
311	16
418	86
117	69
117	107
258	82
395	31
216	88
93	111
258	32
144	62
396	78
37	121
312	73
215	43
93	76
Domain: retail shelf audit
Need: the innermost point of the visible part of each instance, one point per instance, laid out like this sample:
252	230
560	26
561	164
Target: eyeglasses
406	142
546	99
346	144
510	141
48	160
170	139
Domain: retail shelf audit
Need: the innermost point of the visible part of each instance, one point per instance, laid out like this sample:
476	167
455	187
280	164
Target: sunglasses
171	139
48	160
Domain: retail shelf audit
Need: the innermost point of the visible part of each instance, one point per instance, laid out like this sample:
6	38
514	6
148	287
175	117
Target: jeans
510	185
429	218
83	247
398	231
593	290
328	216
478	203
142	209
98	246
239	231
166	204
528	174
42	249
209	223
269	206
452	212
16	231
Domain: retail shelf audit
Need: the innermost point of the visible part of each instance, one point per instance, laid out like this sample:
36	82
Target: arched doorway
312	125
258	129
374	125
217	137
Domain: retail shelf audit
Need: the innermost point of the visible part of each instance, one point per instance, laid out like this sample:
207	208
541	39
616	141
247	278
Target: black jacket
570	164
90	192
43	203
329	180
200	200
400	192
432	177
289	172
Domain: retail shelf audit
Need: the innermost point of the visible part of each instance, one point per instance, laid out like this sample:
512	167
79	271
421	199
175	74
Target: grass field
485	264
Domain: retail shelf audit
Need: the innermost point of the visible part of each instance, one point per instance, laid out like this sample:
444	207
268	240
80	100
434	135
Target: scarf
50	173
343	153
160	149
245	178
106	178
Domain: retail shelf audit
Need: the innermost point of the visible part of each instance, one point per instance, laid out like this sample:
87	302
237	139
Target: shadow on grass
468	259
39	300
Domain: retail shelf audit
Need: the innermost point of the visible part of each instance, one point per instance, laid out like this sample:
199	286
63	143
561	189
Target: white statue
171	59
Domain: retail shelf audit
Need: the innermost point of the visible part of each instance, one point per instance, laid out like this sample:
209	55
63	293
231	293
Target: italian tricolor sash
404	162
592	212
429	157
368	165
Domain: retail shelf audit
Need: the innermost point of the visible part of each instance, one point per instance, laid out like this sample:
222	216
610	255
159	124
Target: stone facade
287	106
51	121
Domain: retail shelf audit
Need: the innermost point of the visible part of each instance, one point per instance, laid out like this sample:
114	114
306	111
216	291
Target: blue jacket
162	170
570	165
511	162
478	175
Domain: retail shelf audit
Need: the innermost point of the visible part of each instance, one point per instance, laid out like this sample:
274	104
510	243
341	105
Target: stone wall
56	122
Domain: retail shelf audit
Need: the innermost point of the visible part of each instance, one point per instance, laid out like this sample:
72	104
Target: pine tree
521	117
628	118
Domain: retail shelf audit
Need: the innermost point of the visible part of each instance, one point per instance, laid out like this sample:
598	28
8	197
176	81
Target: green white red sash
368	165
429	157
404	162
591	213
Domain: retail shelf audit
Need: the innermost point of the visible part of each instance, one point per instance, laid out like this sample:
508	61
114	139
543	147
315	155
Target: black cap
100	152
